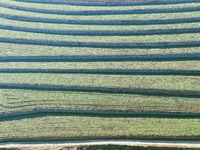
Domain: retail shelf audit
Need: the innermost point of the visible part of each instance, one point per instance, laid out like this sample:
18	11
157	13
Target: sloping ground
77	71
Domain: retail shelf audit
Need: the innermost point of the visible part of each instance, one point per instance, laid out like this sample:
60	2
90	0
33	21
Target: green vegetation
160	82
189	65
55	125
94	126
90	8
21	100
95	27
34	50
104	17
102	39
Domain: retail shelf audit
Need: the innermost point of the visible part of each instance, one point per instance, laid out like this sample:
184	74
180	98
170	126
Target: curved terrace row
153	16
110	3
70	67
103	58
103	101
72	8
141	22
102	12
101	44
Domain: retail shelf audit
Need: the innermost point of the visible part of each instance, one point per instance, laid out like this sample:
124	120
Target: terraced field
92	70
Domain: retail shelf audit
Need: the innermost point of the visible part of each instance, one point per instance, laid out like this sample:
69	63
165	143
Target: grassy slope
103	39
188	65
120	39
20	100
83	126
162	82
93	8
34	50
96	27
104	17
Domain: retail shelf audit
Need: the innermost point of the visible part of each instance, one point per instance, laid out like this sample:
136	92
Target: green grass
158	82
176	65
67	126
121	39
95	27
102	39
89	8
93	126
34	50
103	17
21	100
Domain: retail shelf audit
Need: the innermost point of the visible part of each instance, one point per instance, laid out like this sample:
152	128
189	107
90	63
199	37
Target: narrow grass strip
102	33
95	113
6	49
154	16
21	100
101	39
62	128
46	26
102	12
150	92
96	80
163	2
103	45
106	71
103	58
101	22
94	8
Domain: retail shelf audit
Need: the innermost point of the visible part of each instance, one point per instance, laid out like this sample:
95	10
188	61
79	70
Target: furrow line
108	90
114	4
95	113
103	12
12	107
100	22
107	71
102	45
92	106
103	58
102	33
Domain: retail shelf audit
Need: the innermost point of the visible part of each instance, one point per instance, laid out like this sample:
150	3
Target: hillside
98	70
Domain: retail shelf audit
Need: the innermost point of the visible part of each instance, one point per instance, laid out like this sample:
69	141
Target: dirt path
74	144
